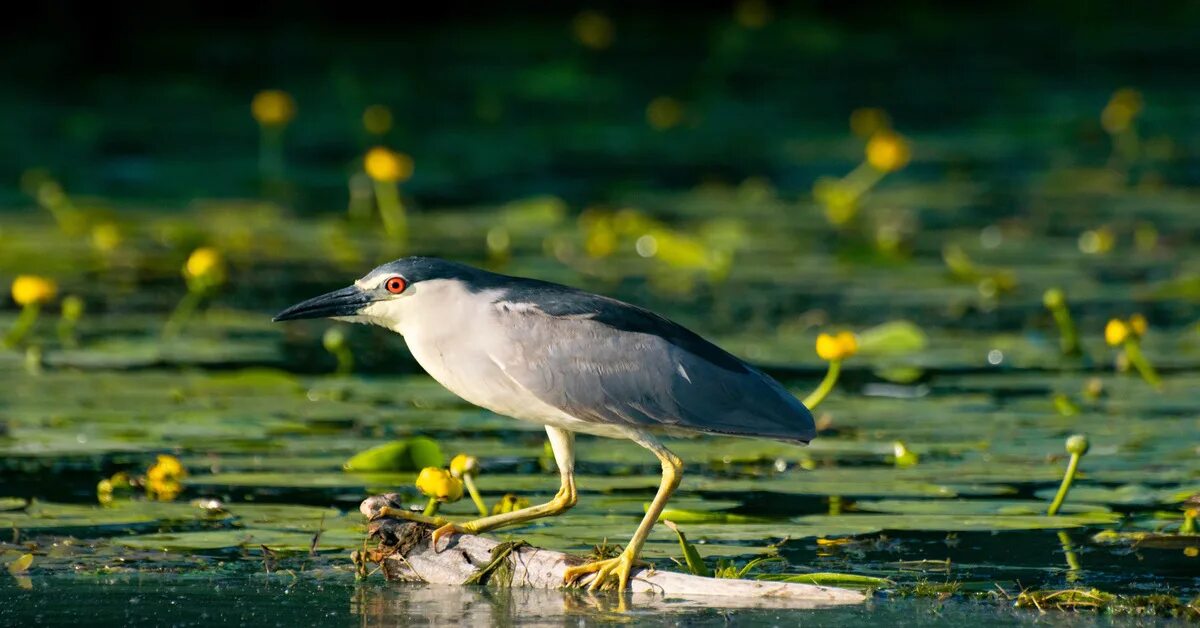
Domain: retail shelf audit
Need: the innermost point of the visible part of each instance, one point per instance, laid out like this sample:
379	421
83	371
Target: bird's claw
444	531
611	573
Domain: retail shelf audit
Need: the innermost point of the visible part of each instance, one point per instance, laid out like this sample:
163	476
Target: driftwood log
404	554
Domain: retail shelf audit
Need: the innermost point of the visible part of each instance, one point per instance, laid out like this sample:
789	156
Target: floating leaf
828	579
412	454
891	339
20	564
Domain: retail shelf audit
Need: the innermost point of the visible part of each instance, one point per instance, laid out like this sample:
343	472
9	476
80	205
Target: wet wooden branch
404	554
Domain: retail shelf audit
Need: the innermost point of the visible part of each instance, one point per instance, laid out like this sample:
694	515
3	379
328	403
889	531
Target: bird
570	360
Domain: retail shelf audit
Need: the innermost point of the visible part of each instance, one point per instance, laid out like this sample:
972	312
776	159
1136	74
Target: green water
1012	167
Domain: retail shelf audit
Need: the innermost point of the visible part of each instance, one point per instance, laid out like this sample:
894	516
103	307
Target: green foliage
412	454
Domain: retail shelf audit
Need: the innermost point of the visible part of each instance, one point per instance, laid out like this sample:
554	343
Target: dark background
150	101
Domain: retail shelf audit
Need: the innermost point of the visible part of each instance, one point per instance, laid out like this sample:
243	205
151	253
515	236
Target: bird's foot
404	513
449	529
611	573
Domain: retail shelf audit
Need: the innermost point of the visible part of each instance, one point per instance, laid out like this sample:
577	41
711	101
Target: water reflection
459	605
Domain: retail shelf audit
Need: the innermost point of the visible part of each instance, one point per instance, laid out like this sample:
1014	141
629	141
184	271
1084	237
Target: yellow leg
563	444
614	572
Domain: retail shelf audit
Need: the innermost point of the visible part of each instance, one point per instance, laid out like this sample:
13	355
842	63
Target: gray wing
646	372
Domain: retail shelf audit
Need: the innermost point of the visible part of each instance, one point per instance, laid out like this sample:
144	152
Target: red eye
395	285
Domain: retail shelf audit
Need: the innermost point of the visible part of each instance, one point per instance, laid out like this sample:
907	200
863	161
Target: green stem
66	333
1134	351
1068	478
183	311
1073	565
431	507
1189	523
469	482
345	361
1069	338
823	390
862	179
391	210
270	156
21	328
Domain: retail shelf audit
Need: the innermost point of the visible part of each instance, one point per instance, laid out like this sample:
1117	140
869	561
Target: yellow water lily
1116	332
32	290
888	151
273	107
593	29
204	262
462	465
438	484
387	166
833	348
377	119
837	347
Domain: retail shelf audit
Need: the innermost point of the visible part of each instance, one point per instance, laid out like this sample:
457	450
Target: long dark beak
344	302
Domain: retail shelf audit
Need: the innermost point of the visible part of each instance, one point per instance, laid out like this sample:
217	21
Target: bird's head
389	293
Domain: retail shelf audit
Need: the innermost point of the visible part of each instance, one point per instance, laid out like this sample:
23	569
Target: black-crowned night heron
569	360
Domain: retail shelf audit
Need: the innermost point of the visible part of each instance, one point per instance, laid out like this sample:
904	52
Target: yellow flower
593	29
1138	325
1054	299
888	151
72	308
377	119
664	112
752	13
462	464
509	503
163	478
439	484
166	468
273	107
203	262
1121	110
1116	332
867	121
106	237
839	347
905	457
387	166
32	290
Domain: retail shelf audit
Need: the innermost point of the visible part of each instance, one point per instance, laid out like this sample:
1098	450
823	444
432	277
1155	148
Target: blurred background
975	189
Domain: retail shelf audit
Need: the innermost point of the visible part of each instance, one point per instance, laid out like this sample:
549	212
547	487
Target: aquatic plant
30	292
593	29
886	152
377	120
273	109
440	486
1077	446
903	456
1068	337
1128	335
387	169
204	273
163	481
72	310
834	349
509	502
1119	120
409	454
334	341
465	468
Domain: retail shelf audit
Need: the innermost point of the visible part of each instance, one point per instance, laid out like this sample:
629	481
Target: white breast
458	338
